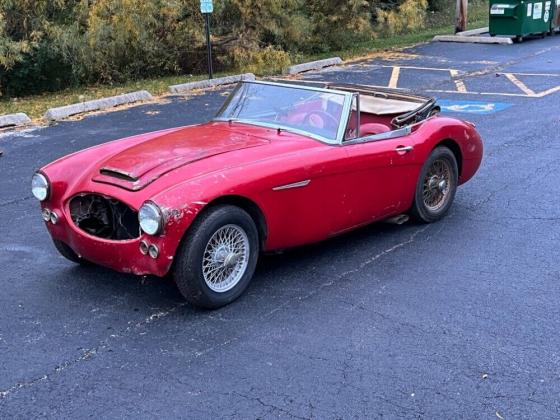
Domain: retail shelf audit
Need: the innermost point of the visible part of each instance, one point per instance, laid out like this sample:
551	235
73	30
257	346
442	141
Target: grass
396	41
36	106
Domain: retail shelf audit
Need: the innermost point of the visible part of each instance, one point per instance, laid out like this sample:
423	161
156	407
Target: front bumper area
122	255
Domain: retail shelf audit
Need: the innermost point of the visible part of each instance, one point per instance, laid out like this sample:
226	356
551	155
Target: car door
307	197
379	180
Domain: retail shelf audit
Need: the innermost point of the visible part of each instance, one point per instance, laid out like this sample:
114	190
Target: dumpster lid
503	6
500	9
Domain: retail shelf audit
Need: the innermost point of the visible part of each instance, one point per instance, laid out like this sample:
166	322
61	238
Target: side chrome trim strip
294	185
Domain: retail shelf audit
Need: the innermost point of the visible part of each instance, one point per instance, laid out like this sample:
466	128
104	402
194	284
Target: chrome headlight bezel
40	186
150	218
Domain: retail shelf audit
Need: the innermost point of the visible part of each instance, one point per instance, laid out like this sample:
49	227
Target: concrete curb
210	83
60	113
472	32
474	39
10	120
313	65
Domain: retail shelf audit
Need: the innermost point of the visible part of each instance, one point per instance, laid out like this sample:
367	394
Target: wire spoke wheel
437	184
225	258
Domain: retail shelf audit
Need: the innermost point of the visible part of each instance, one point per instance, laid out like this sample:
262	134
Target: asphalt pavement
458	319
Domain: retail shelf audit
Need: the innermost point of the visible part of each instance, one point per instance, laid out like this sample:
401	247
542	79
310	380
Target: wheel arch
455	149
245	204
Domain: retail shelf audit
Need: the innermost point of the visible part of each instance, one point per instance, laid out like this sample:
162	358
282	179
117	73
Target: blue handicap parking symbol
471	107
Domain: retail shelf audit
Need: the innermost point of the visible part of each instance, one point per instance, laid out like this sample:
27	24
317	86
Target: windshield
308	111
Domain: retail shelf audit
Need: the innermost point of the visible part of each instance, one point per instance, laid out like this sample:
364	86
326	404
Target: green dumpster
519	18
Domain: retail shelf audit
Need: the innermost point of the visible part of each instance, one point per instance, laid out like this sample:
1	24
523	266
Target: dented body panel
305	190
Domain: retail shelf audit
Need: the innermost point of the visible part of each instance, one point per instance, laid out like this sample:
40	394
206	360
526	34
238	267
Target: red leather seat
371	129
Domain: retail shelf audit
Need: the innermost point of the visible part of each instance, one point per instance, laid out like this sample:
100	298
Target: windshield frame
343	121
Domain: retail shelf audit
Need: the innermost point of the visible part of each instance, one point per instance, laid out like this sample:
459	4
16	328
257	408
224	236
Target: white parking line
419	68
533	74
489	93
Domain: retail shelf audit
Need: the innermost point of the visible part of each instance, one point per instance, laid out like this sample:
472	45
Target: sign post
207	7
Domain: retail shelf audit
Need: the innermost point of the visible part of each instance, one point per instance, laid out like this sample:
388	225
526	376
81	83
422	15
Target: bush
116	40
338	24
410	15
41	70
269	59
47	45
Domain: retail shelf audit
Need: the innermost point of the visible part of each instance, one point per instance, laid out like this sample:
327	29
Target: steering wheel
326	119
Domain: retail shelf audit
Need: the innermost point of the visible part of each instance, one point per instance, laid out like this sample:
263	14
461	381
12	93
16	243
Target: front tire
217	258
436	187
68	252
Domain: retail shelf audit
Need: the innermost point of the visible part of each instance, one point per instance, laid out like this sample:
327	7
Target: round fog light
46	215
143	247
153	251
54	218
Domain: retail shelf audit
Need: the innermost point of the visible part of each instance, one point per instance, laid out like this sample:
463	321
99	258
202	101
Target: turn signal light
144	247
46	213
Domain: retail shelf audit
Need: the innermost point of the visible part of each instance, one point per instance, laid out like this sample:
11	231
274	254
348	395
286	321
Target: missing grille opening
104	217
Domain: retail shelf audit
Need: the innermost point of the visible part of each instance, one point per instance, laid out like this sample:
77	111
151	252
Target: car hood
142	163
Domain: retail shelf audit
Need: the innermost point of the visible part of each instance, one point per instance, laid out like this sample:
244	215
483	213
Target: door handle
404	149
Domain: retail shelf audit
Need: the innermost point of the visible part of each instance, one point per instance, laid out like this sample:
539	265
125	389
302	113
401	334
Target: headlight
40	186
150	218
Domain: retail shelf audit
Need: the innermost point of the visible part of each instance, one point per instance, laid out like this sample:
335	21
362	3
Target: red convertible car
281	165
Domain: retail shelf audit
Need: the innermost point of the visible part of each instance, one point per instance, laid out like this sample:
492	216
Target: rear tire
217	258
68	252
436	186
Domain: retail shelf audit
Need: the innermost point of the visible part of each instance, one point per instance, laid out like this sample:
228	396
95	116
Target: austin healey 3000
281	165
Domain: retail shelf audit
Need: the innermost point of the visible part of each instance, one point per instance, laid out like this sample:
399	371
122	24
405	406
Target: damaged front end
104	217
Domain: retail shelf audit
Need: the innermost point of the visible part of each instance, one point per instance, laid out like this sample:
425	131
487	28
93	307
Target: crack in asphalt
547	168
468	74
88	353
105	344
385	252
501	66
360	267
16	201
489	70
271	406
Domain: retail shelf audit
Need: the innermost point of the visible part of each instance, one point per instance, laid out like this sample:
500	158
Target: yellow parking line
459	83
395	77
462	88
519	84
548	92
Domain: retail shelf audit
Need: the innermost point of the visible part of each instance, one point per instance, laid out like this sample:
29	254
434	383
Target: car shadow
275	271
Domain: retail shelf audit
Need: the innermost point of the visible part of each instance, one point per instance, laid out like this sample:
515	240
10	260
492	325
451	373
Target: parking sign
206	6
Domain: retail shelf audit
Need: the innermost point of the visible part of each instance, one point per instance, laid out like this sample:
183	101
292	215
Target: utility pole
461	15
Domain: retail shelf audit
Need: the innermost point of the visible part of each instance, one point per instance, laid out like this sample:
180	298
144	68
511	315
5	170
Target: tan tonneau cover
385	106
